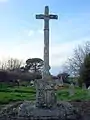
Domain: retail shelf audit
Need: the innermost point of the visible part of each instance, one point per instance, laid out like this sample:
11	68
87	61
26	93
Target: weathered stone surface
83	111
46	17
71	89
45	93
63	111
10	109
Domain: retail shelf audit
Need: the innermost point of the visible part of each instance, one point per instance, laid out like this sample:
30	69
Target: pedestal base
63	111
45	93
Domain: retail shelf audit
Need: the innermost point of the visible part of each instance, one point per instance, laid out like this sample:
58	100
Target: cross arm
40	16
53	16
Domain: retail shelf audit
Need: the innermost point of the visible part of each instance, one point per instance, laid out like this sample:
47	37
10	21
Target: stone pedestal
45	93
46	107
62	111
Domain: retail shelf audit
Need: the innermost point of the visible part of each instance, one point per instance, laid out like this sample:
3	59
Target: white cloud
33	32
34	48
30	32
59	52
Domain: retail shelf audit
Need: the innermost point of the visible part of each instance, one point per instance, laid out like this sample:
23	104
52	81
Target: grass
19	89
14	96
78	95
11	94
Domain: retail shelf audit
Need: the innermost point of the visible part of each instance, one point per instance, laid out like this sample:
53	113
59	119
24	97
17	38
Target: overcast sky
21	35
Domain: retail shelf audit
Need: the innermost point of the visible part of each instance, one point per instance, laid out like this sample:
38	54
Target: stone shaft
45	96
46	18
46	45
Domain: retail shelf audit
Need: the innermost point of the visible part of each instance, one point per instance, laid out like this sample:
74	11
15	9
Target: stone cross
45	95
46	17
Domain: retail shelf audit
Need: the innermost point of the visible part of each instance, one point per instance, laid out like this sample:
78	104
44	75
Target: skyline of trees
73	65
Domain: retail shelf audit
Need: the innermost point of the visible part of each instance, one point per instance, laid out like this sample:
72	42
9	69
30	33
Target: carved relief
45	96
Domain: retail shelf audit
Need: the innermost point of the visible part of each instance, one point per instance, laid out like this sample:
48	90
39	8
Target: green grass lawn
11	94
78	95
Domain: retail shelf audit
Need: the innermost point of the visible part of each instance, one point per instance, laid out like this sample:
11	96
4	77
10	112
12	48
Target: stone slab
63	111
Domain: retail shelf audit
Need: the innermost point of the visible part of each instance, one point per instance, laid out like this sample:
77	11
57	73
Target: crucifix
46	17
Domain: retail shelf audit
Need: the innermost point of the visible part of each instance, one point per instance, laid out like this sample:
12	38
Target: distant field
11	94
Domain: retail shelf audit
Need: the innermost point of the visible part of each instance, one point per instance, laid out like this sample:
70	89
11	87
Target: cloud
33	32
40	31
59	52
27	33
32	48
30	32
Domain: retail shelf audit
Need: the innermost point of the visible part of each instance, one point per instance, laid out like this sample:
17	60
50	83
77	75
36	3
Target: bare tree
3	65
76	62
11	64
